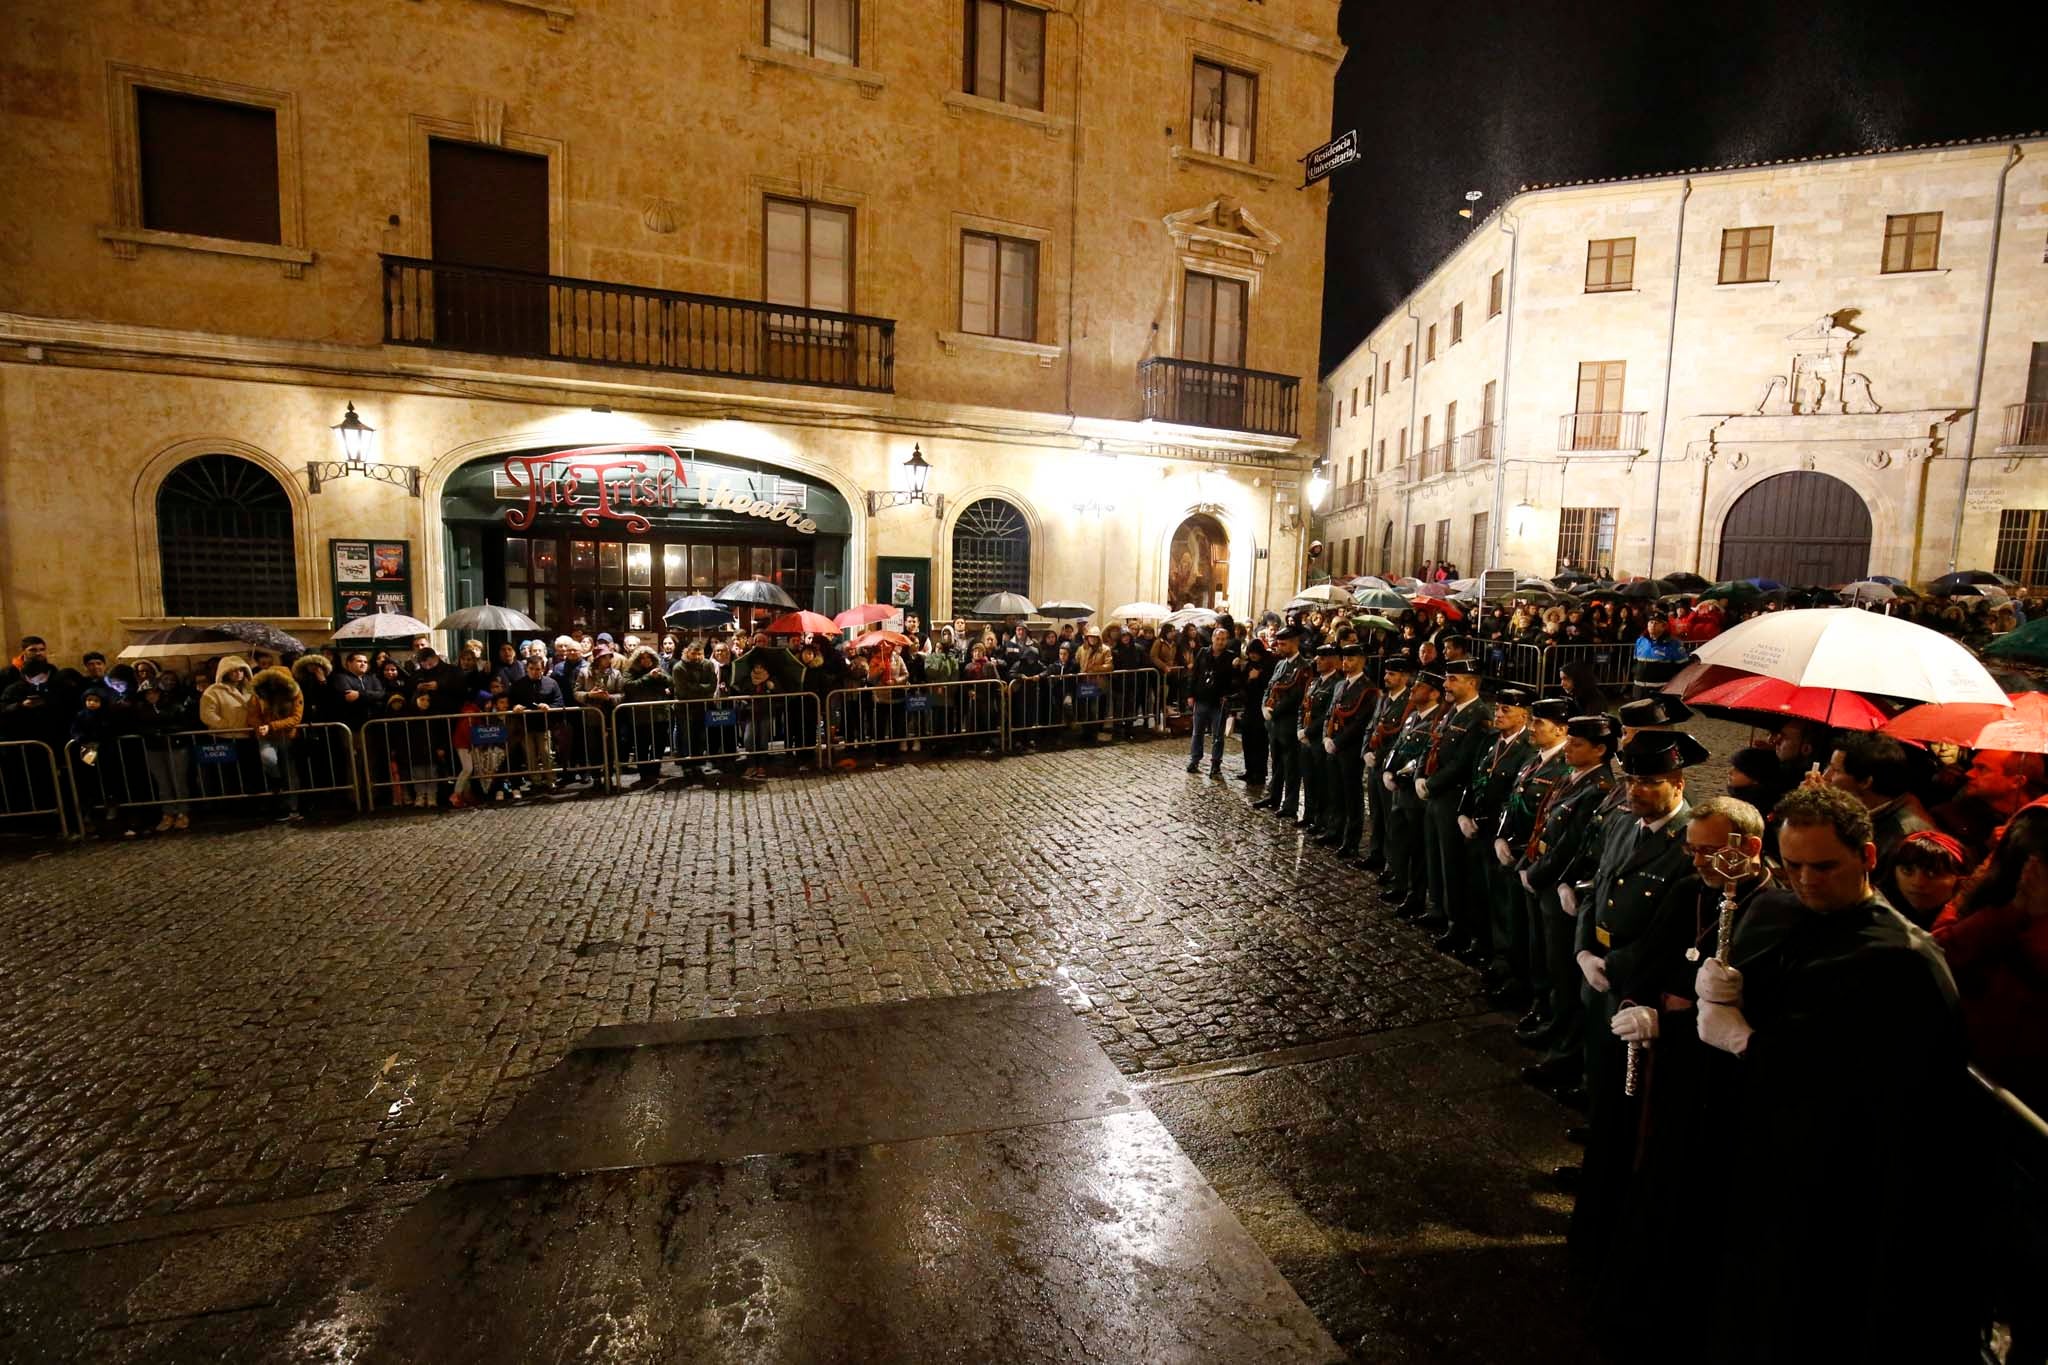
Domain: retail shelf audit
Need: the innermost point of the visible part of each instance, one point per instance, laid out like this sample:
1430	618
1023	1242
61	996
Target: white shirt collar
1545	755
1652	826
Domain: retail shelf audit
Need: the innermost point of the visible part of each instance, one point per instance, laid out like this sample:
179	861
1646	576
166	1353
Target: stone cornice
1233	15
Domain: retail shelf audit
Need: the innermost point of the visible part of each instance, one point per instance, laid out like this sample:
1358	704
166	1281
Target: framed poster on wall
370	576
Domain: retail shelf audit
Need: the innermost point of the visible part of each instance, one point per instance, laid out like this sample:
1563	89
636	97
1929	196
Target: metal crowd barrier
2015	1159
1096	703
181	768
1542	666
721	731
30	783
870	717
409	758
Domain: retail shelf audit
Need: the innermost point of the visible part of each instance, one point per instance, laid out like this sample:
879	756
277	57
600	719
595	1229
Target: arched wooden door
1801	528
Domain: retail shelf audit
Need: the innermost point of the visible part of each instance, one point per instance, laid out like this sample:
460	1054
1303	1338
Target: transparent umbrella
488	617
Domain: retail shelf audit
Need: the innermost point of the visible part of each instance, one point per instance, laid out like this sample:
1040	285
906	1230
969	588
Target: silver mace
1729	864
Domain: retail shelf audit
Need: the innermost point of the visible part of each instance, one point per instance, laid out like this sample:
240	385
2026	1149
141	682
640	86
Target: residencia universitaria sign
622	483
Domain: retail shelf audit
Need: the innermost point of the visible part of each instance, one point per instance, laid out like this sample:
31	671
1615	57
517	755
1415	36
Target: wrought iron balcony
2026	424
1479	444
1431	462
1195	393
486	311
1600	431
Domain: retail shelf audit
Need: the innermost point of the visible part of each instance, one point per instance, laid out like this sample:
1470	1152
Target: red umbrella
1830	705
882	637
866	614
1422	603
804	623
2019	728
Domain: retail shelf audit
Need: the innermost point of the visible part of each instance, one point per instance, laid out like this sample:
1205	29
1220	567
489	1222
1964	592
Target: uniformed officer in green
1398	673
1315	764
1657	712
1523	976
1479	813
1407	881
1344	732
1563	825
1463	731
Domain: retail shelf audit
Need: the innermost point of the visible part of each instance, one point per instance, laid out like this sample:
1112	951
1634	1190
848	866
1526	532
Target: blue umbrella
1765	584
696	610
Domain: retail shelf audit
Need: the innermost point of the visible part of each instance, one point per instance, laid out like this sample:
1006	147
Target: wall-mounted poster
902	589
370	576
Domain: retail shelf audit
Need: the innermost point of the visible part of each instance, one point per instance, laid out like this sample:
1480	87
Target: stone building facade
1055	246
1807	371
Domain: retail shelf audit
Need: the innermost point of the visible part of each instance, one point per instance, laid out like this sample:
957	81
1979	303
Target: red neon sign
555	480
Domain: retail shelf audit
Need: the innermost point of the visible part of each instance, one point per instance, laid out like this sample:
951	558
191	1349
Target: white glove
1329	746
1526	885
1568	897
1593	969
1723	1026
1387	781
1422	787
1504	855
1636	1024
1266	711
1372	760
1717	984
1468	827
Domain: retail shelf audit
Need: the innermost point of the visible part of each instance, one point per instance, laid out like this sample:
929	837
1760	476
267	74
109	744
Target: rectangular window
1443	541
825	29
1415	548
1912	241
2023	546
1407	359
1450	423
1457	323
1610	264
1386	376
1401	448
1354	400
1382	468
1212	320
1585	539
208	167
1006	53
1596	418
1350	470
1368	389
1429	344
1745	255
1494	291
808	255
1423	444
1224	111
1337	413
1482	543
998	286
1487	397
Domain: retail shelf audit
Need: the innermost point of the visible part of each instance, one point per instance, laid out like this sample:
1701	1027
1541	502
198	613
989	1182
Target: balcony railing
1600	431
1195	393
2026	424
1431	462
486	311
1479	444
1346	496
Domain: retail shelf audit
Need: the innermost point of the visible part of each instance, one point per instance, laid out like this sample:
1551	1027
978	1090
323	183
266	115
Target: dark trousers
1312	757
1463	878
1286	762
1251	735
1209	718
1561	968
1351	799
1406	869
1379	800
1442	847
1509	906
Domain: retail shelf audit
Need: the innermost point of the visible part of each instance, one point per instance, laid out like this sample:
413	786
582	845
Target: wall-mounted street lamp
354	434
1318	483
916	470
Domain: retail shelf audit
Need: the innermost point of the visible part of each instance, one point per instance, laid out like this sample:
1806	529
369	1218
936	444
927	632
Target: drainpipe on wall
1500	464
1414	417
1955	535
1372	431
1670	354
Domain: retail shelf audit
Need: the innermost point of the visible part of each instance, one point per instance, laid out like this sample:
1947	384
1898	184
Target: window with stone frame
1223	112
1495	291
2022	553
1006	53
1457	323
1482	543
991	553
208	166
1610	265
1585	539
225	541
828	30
808	255
1429	345
1912	241
1745	255
998	286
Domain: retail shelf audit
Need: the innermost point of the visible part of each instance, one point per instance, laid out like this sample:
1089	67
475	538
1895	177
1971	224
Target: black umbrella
754	592
262	635
1687	582
1946	585
1570	576
695	612
1645	587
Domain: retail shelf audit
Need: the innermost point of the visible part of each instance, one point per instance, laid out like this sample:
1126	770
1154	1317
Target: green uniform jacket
1531	786
1629	892
1316	709
1493	782
1290	680
1404	755
1462	739
1566	826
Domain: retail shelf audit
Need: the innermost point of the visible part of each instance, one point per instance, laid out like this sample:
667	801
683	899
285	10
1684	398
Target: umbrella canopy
1369	581
1834	706
1571	576
1450	612
1191	616
882	637
1687	582
805	623
2027	645
183	642
1735	590
1373	623
488	617
754	592
1440	591
1840	647
1324	592
1875	590
384	625
1646	587
1140	611
1380	599
1065	611
696	611
1406	585
1537	584
2019	728
783	666
263	635
866	614
1886	578
1967	578
1004	604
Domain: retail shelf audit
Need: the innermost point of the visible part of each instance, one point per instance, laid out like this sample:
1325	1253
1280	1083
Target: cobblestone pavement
265	1013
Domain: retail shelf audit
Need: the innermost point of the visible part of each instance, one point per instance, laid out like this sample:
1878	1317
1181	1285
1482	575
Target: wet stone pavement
236	1058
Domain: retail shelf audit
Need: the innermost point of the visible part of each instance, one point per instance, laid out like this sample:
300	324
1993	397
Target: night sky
1448	98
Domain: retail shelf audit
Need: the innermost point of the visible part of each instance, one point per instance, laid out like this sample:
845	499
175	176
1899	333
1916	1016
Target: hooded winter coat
276	701
316	695
225	706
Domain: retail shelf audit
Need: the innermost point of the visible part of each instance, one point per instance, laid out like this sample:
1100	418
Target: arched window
991	553
224	532
1387	547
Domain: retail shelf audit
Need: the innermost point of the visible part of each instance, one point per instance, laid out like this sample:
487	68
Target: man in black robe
1843	1231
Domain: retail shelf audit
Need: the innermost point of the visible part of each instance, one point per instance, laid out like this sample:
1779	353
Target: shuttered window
209	167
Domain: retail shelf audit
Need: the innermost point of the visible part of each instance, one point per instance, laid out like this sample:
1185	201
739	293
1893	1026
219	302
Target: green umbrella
1373	623
1380	599
2027	645
783	666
